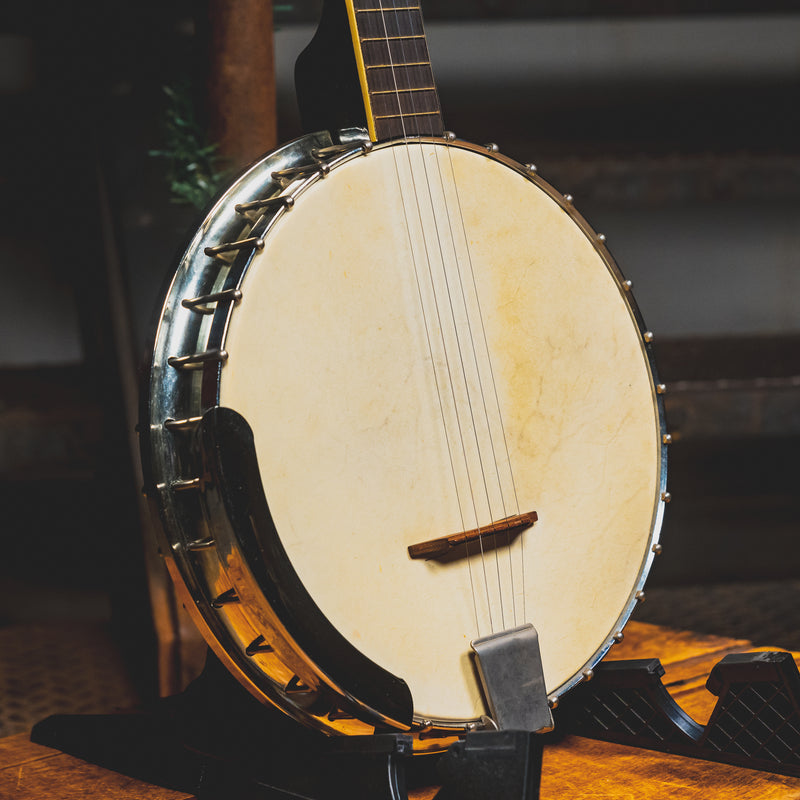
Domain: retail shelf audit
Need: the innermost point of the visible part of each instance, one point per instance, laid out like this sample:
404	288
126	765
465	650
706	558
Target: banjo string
427	258
493	448
463	232
459	223
494	391
451	306
471	337
438	393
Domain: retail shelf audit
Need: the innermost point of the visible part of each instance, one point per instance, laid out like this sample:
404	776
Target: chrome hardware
328	152
201	544
484	723
601	237
353	135
657	549
340	149
627	285
185	424
197	360
287	176
648	336
553	703
532	168
667	438
200	304
618	636
258	645
640	596
449	136
225	598
282	200
510	668
666	497
587	675
219	251
661	388
492	147
568	198
188	485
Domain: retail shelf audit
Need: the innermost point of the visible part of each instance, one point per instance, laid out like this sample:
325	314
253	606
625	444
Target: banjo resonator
380	335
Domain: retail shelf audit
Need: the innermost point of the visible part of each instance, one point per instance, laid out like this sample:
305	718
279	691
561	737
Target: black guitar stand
755	722
216	742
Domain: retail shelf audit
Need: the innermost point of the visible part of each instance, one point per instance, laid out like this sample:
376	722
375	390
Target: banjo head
417	339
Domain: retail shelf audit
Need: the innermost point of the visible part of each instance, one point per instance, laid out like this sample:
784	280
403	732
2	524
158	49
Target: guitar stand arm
755	722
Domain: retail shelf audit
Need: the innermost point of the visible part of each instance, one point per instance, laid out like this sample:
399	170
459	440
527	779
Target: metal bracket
352	135
510	668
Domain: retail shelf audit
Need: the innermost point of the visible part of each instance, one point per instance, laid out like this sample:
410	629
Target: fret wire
387	10
407	114
406	24
394	91
392	38
396	66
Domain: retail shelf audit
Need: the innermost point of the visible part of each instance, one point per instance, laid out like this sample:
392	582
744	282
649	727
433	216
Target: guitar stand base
215	742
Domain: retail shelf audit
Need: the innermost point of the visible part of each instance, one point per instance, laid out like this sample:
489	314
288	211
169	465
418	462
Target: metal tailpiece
510	667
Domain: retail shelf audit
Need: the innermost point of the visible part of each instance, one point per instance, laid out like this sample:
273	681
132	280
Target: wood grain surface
573	769
32	772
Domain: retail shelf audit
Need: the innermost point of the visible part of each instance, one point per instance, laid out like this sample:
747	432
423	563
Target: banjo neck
394	69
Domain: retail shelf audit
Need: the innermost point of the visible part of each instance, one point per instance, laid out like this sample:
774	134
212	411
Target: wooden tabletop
29	771
573	769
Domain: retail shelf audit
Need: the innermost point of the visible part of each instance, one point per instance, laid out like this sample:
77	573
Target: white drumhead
418	362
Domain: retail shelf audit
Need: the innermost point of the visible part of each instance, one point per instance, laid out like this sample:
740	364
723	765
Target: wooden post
241	80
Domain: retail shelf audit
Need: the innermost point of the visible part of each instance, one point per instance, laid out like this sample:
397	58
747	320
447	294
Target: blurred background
674	123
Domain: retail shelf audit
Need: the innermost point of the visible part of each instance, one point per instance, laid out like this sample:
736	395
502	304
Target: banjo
401	400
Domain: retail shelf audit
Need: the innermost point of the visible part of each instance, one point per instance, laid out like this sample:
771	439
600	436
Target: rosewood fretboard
394	69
